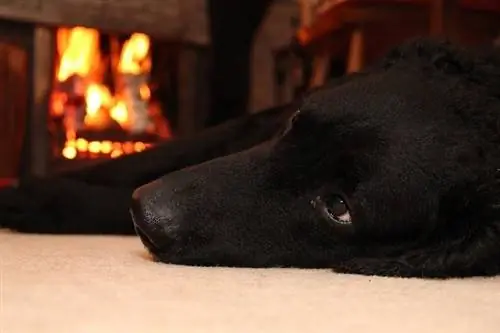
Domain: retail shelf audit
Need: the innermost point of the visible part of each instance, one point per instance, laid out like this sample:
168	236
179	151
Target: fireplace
103	102
82	89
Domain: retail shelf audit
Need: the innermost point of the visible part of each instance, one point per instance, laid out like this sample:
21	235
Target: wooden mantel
185	20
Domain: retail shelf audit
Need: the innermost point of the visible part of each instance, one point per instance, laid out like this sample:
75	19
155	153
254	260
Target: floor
109	284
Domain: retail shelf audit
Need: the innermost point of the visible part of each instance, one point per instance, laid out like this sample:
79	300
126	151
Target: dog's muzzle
156	214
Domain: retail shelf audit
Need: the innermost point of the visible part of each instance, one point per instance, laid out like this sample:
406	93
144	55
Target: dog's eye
334	208
337	210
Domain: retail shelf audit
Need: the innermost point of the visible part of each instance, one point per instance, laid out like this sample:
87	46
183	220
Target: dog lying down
393	171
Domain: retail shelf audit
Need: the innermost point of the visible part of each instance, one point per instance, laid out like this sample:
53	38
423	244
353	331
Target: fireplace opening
79	95
104	101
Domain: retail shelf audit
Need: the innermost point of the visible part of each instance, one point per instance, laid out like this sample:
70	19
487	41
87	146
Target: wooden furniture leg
444	17
321	67
305	12
355	61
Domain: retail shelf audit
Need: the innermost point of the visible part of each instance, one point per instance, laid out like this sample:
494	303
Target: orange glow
96	97
94	147
116	153
58	103
78	48
71	137
145	92
82	145
128	147
106	147
74	148
69	152
119	113
80	58
134	58
139	146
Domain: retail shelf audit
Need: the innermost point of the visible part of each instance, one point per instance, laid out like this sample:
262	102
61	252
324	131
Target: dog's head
393	172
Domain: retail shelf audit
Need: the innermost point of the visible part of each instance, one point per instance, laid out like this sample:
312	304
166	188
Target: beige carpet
108	284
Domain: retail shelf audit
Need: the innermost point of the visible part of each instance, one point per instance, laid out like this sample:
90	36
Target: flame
96	97
79	56
78	47
119	113
134	58
58	103
145	92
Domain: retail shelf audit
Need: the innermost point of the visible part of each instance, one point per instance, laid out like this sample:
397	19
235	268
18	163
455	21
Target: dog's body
392	172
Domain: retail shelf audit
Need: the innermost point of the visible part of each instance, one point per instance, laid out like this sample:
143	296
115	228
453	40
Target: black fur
411	144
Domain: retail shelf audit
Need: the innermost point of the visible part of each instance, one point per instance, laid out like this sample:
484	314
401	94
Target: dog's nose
155	218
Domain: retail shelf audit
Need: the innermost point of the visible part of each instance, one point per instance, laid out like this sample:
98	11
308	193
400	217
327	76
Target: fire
85	102
119	113
134	58
96	97
79	49
113	149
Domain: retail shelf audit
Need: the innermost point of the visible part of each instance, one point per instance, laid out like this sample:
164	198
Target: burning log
133	74
131	87
73	88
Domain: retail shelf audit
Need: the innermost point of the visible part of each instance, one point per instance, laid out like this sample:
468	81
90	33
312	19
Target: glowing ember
84	102
113	149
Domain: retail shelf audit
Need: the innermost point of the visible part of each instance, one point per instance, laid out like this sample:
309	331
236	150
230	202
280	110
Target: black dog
393	171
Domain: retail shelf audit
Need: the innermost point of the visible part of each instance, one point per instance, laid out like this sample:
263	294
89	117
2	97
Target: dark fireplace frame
18	38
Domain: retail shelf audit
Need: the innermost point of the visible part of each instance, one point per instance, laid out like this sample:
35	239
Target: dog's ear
430	54
479	65
467	243
469	78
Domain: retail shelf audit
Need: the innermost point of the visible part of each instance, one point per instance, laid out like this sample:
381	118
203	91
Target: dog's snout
155	218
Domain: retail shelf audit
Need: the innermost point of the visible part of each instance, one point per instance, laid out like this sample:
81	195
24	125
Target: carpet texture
109	284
